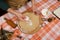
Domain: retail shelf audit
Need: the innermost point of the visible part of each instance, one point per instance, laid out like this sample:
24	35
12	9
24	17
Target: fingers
21	19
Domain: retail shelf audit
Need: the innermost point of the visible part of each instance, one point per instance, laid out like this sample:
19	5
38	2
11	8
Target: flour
28	20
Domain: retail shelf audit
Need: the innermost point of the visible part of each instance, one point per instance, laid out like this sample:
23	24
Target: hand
18	14
20	17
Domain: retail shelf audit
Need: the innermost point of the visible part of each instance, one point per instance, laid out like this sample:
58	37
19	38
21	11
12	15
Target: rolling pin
10	22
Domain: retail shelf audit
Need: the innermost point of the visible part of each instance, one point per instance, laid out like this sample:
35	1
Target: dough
31	25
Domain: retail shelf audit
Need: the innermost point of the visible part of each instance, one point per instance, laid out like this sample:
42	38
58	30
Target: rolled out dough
30	28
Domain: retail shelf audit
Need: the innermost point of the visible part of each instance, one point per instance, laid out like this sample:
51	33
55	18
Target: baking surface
50	31
31	25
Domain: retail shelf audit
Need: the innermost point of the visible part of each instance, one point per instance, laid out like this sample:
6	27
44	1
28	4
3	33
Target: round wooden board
26	27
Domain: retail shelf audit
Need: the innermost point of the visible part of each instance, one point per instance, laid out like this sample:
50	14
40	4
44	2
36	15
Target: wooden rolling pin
10	22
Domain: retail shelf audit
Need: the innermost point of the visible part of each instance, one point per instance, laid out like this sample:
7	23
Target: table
51	31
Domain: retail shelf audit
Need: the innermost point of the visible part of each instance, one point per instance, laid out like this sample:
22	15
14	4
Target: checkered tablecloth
51	31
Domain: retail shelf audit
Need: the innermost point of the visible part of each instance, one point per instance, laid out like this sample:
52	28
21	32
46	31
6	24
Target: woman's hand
20	17
18	14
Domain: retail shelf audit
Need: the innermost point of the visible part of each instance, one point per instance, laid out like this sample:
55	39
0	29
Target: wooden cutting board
32	26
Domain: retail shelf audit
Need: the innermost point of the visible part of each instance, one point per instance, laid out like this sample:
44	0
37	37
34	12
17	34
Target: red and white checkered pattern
51	31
